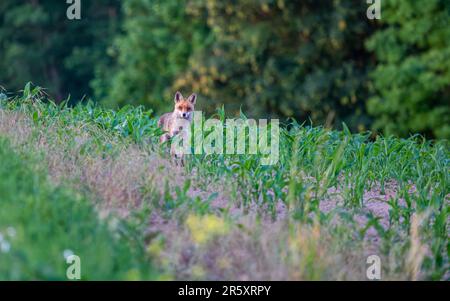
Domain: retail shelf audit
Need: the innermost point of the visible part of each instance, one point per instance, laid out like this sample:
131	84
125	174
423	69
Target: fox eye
188	109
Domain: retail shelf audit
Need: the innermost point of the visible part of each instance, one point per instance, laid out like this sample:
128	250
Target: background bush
318	60
412	80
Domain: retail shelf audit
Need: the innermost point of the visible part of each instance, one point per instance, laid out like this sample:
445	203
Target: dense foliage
318	60
39	44
159	37
412	80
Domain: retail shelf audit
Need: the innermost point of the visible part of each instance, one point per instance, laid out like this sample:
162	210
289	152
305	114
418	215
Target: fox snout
179	120
183	115
184	107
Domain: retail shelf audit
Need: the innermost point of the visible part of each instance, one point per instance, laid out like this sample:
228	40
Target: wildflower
198	272
11	232
5	246
224	263
67	253
155	248
206	227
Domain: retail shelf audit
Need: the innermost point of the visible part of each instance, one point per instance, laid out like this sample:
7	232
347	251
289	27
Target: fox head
184	107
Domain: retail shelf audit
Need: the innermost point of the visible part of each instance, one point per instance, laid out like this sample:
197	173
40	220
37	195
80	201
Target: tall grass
41	224
331	179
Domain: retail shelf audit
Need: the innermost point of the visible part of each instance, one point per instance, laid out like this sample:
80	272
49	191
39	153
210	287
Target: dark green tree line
38	43
158	39
412	79
319	60
272	58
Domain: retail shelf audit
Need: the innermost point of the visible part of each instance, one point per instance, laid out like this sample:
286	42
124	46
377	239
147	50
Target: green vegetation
40	222
274	58
412	80
318	60
39	44
333	199
159	37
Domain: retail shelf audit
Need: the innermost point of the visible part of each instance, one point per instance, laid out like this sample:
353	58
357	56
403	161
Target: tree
272	58
159	37
412	79
304	59
39	44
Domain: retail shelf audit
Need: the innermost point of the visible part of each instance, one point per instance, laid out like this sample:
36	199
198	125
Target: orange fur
178	121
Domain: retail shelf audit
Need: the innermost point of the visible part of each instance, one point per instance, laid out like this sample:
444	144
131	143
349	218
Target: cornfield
95	182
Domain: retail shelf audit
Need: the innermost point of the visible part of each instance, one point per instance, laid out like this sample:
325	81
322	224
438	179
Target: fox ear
193	98
178	97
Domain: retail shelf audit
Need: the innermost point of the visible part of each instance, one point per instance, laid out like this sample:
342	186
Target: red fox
179	120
